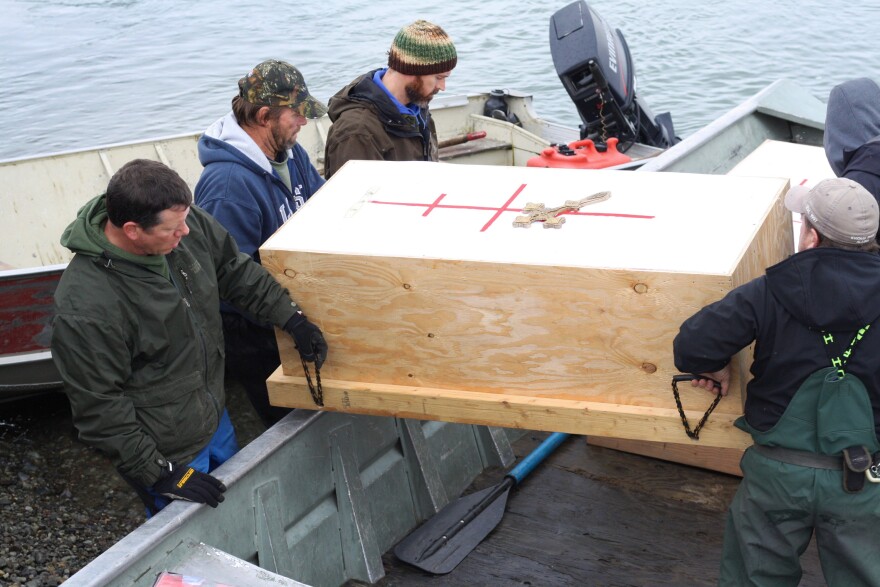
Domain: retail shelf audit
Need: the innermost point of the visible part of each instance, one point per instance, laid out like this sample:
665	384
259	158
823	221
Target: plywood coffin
435	306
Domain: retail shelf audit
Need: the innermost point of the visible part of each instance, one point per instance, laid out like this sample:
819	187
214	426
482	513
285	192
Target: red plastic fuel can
579	155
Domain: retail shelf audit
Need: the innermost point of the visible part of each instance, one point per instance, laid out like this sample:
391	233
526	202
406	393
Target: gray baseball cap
840	209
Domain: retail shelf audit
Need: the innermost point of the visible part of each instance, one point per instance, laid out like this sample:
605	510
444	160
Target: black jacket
785	311
864	167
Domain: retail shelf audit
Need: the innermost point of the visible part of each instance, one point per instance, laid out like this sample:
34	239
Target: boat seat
472	147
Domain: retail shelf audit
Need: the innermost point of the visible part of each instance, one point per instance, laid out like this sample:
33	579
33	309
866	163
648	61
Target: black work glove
308	339
188	484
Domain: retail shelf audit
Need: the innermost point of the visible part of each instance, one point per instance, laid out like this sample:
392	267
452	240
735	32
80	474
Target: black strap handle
676	379
692	376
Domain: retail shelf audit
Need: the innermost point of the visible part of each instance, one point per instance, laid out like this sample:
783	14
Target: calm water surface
78	74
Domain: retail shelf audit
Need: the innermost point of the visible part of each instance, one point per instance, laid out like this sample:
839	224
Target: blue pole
529	463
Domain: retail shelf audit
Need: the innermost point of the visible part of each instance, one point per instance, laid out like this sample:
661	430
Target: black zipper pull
186	281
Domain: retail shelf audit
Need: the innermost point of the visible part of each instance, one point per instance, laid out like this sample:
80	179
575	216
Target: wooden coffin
801	165
436	306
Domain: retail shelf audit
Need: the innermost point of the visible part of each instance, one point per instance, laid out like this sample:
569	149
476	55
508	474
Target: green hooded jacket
139	342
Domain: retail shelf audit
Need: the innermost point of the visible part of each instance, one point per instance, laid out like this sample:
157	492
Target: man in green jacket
383	114
137	335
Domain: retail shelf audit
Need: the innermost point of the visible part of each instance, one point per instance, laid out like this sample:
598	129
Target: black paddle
438	545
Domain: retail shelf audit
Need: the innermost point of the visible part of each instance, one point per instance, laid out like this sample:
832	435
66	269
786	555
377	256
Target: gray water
77	74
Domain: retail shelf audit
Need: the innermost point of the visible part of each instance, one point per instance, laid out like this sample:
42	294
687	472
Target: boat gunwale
128	551
724	123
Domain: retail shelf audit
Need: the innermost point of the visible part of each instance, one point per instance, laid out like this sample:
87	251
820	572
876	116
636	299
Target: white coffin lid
669	222
800	164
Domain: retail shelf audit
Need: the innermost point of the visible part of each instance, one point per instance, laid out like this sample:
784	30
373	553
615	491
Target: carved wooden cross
551	217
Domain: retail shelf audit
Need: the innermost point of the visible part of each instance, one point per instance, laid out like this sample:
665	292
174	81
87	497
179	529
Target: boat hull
26	310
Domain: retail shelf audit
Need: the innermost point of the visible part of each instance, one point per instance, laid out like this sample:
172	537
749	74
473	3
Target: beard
282	142
416	94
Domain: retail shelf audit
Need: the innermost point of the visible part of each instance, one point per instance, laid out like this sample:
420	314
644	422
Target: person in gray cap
852	132
383	114
256	177
813	404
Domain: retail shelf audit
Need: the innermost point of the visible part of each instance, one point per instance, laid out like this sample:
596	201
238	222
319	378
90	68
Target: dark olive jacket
140	346
368	126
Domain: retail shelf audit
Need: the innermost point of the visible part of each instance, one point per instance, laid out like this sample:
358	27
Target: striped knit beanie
422	48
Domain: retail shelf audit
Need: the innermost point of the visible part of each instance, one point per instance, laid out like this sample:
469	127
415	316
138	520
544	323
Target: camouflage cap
277	83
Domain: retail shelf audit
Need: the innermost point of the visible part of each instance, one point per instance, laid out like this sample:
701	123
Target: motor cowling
594	64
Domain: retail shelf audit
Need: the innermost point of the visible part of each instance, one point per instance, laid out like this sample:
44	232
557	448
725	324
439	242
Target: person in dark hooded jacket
383	115
813	404
255	178
852	132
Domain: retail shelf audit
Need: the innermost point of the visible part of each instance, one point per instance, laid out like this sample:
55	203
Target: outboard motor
594	64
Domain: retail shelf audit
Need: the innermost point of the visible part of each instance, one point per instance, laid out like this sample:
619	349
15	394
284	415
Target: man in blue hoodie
255	178
813	403
852	132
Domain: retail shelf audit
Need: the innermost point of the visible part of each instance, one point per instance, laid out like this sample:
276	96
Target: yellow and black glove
188	484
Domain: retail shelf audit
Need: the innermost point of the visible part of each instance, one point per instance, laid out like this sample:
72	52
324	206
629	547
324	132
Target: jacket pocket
179	415
165	393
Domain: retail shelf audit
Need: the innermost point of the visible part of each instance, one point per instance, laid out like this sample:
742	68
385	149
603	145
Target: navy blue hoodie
239	188
852	132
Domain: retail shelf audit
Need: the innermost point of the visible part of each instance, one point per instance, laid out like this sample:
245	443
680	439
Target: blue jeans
219	450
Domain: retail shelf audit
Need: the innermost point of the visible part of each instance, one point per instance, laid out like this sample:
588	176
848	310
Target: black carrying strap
315	389
695	433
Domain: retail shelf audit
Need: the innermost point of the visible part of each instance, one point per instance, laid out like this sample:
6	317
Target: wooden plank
508	410
587	334
723	460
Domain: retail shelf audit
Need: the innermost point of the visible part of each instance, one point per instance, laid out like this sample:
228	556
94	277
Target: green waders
779	503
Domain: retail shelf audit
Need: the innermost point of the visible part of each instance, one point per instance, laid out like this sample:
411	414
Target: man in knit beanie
383	114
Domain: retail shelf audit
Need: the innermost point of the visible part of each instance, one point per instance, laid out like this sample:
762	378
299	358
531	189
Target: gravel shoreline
62	503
